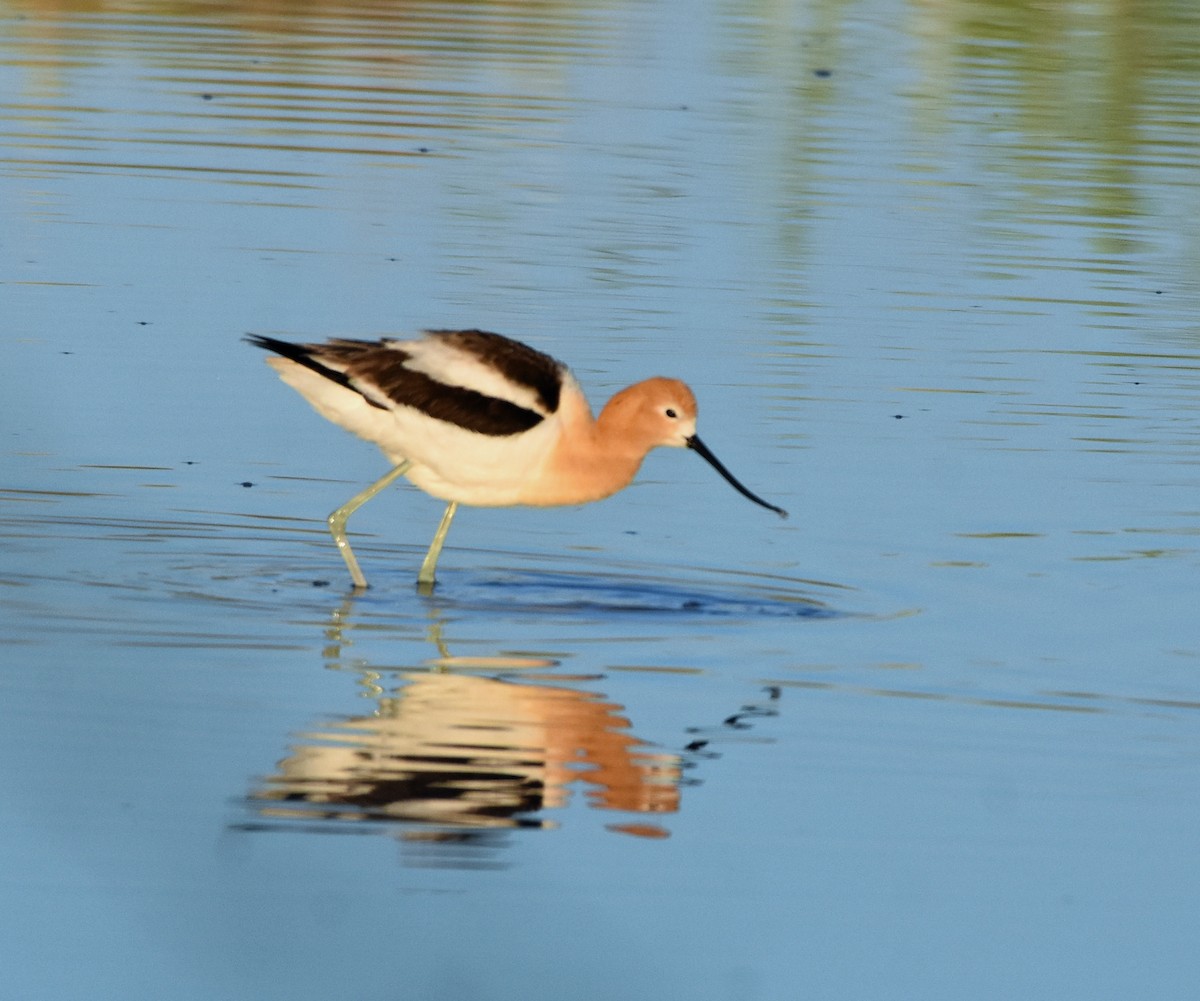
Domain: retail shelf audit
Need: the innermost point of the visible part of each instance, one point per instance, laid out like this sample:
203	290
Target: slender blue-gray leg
425	578
337	520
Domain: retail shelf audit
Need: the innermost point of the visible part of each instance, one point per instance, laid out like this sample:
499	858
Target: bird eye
671	413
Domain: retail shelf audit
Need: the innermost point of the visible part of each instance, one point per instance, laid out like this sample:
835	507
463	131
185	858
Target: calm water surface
931	269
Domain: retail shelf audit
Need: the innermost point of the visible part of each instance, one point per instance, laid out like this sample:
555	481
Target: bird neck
594	458
614	434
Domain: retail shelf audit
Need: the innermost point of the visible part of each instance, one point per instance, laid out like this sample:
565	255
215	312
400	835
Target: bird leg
425	578
337	520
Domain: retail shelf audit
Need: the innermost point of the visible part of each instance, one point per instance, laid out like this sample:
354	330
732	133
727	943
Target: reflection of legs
425	577
337	520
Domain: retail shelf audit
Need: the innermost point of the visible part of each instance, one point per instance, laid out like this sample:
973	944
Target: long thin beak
697	446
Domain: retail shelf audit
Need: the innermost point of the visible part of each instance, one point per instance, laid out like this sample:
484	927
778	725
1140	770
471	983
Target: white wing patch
452	366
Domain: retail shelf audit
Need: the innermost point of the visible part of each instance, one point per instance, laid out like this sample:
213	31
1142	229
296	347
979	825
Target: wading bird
475	418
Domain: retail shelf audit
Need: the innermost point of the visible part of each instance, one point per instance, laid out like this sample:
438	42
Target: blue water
930	270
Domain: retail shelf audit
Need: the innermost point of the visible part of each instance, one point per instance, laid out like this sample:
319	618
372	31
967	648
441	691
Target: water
931	271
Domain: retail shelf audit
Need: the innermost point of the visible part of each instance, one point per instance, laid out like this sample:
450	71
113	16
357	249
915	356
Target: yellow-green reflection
1043	120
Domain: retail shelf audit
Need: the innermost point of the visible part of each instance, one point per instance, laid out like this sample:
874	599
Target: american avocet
476	418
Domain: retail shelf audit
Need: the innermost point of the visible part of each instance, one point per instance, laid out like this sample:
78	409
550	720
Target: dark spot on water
206	97
246	483
696	745
320	583
898	417
823	73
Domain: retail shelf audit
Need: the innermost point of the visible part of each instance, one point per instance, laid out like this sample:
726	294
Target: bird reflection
471	752
449	759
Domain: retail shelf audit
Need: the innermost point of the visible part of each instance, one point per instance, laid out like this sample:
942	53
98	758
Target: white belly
480	470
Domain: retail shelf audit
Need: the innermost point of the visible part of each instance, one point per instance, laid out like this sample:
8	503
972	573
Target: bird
473	417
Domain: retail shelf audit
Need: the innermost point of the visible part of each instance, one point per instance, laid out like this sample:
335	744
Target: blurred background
931	269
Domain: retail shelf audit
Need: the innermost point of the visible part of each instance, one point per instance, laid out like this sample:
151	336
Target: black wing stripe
383	369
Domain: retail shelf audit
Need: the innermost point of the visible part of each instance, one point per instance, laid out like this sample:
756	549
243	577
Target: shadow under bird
476	418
